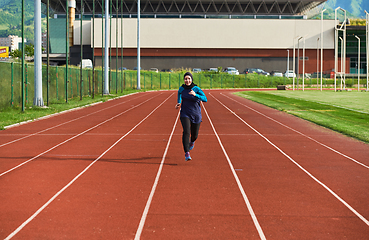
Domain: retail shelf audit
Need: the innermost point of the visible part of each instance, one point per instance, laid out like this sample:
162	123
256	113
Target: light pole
288	61
317	62
298	60
358	65
321	50
138	45
342	63
303	65
367	49
336	33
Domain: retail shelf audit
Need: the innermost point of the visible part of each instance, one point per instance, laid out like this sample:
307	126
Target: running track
116	170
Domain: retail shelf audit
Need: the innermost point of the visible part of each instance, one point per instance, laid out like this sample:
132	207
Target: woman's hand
178	105
192	93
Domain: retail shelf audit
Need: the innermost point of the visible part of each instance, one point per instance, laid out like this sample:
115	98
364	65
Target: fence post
169	80
211	81
56	82
151	80
160	80
233	81
26	84
12	84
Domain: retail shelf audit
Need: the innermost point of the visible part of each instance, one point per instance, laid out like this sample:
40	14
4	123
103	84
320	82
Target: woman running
190	95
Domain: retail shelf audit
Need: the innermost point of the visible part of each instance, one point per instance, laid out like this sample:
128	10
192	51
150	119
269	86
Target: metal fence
58	89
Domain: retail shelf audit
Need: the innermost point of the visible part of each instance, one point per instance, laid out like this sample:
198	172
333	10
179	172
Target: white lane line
80	174
153	189
61	124
298	165
312	139
69	139
248	204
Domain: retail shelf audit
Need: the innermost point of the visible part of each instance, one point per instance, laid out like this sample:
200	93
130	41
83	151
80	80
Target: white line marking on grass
312	139
298	165
248	204
153	189
80	174
69	139
61	124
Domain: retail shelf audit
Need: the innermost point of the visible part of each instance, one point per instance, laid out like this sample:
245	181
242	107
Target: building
204	34
13	42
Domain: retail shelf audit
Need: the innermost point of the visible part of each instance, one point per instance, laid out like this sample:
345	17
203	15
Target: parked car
122	68
231	70
154	70
256	70
196	70
276	73
166	70
135	68
262	72
213	70
86	63
290	74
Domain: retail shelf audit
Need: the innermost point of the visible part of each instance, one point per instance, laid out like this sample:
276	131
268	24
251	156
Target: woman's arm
200	94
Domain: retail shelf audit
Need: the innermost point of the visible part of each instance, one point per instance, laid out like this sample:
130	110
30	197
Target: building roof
197	7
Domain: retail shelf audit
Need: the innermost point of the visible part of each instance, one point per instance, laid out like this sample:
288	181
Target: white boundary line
248	204
312	139
3	173
153	189
55	114
298	165
80	174
69	110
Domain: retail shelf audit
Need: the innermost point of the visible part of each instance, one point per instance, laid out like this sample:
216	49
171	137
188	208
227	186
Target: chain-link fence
59	88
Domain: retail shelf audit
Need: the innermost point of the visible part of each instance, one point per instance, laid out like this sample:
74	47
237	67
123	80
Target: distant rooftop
196	7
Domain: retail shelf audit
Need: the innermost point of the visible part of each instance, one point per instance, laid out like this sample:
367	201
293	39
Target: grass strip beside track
349	122
14	115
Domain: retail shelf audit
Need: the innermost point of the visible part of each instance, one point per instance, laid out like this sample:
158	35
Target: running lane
38	181
299	188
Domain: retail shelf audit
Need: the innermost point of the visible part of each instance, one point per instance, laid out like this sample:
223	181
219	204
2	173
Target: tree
17	53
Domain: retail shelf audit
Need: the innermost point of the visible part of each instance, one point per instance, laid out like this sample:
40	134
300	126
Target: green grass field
13	115
344	112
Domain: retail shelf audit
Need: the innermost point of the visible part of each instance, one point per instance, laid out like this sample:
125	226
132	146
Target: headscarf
192	84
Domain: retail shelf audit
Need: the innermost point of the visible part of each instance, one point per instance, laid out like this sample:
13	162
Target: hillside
11	18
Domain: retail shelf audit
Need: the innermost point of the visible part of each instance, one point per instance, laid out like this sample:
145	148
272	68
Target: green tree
17	53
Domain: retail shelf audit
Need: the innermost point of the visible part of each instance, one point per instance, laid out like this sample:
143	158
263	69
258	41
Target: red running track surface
116	170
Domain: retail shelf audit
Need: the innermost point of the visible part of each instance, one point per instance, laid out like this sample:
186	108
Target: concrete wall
211	33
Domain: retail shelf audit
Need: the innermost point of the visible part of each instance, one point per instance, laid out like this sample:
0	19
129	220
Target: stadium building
198	34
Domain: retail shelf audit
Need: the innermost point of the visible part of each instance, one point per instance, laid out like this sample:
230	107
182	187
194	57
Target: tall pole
288	61
47	50
93	48
138	46
321	50
121	43
23	68
342	88
367	49
294	63
37	100
81	41
106	62
66	51
317	62
358	64
303	66
116	47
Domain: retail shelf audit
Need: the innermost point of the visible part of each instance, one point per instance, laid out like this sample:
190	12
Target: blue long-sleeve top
191	107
